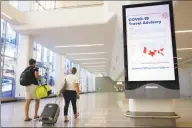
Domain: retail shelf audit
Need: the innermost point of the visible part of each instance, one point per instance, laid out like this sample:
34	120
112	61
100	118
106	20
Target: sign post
150	62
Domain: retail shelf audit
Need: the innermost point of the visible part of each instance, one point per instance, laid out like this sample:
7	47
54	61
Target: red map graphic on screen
153	52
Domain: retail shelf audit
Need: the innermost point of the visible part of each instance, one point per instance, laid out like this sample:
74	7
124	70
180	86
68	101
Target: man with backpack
29	79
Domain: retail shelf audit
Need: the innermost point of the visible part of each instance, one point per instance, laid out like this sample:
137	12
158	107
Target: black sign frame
170	84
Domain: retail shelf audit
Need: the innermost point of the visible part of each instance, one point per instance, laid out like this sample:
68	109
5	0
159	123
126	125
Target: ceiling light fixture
91	59
90	53
6	15
101	66
181	49
83	45
98	70
183	31
101	70
93	63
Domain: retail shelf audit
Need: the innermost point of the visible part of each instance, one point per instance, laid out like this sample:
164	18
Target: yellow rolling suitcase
43	91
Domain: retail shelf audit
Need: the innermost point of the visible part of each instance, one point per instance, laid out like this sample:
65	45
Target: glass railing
51	5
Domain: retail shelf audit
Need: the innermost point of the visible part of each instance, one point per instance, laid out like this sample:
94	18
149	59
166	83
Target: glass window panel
3	26
51	78
80	3
25	5
59	4
14	4
50	4
11	35
1	66
50	56
45	55
35	51
42	3
10	46
35	6
62	4
7	84
39	51
53	60
2	46
40	8
9	67
8	59
10	50
67	68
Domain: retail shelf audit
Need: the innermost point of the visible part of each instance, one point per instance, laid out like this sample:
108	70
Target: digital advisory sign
149	45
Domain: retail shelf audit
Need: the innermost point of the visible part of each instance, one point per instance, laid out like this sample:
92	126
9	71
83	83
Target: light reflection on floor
96	110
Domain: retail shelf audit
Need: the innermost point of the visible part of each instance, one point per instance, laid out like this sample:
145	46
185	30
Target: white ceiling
80	35
104	33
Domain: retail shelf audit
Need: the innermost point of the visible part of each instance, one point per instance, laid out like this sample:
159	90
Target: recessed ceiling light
83	45
119	83
181	49
98	70
91	59
101	70
93	63
100	66
98	75
183	31
90	53
6	15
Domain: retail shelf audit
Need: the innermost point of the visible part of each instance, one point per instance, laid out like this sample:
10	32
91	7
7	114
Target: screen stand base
152	113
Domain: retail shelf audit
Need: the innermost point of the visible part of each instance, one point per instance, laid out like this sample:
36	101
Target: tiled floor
96	110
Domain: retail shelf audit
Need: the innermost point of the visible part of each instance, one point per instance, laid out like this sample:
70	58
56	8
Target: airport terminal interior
96	38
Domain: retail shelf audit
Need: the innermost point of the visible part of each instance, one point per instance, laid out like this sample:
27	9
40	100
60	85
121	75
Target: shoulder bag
64	86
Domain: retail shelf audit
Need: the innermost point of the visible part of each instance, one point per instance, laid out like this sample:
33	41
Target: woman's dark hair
32	61
74	70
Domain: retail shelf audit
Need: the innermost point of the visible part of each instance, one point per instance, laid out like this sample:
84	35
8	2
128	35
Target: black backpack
26	76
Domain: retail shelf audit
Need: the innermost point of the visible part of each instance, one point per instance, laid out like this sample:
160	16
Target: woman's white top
71	81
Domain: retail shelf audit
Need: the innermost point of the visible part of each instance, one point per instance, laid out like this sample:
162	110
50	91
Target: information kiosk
150	60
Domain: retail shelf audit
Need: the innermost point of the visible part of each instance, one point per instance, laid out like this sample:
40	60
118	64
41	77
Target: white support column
25	52
59	72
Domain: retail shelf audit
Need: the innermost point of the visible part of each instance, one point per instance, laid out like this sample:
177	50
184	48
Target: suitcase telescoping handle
57	98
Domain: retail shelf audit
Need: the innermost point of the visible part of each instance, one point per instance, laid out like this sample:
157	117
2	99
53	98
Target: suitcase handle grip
57	98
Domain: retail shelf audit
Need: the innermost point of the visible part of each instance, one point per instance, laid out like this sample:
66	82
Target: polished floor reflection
96	110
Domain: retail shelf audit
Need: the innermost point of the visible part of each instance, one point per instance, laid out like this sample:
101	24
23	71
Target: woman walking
70	92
